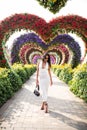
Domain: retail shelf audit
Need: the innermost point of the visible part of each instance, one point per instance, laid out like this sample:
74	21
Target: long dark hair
49	60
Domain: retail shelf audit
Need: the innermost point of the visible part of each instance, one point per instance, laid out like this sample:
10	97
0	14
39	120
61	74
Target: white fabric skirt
44	85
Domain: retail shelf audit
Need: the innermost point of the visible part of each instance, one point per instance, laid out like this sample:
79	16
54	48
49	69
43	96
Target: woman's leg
42	107
44	89
44	97
44	93
46	107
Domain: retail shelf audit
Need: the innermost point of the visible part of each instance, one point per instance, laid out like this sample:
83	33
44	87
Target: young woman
44	79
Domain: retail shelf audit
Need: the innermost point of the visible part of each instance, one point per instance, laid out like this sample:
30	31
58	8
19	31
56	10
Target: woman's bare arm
37	74
51	82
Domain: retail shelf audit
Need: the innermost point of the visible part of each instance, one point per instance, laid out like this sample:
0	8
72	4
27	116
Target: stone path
22	111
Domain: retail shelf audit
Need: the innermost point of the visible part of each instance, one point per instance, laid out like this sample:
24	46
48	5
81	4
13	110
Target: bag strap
38	87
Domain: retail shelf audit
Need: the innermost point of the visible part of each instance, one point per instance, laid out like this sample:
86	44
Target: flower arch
30	40
47	31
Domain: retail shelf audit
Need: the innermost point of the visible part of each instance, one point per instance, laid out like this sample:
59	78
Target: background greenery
76	78
11	80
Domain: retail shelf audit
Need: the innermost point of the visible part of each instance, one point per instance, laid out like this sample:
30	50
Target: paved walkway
22	111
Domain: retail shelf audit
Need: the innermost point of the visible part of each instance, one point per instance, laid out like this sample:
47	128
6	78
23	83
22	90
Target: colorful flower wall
43	37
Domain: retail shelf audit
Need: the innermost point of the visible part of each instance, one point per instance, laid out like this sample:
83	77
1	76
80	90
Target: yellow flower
53	1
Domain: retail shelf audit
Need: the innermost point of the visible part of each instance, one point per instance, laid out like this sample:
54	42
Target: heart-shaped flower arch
31	40
47	31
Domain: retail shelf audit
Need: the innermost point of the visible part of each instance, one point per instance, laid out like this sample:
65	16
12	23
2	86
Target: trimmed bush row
11	80
76	78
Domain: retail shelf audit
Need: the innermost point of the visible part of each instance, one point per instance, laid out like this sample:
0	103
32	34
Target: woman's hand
37	82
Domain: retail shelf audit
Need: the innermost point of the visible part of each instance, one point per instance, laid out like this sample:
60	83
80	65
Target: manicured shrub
57	69
78	84
19	69
30	69
66	74
11	80
5	89
15	80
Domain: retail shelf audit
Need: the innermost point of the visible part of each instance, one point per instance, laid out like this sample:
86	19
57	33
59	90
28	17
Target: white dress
44	80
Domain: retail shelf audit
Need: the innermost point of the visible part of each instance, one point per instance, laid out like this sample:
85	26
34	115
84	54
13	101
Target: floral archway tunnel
29	42
49	37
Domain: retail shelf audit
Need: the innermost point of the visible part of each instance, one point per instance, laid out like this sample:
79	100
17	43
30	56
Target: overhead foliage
53	5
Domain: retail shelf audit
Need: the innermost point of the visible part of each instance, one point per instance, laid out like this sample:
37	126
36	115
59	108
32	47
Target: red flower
3	61
1	53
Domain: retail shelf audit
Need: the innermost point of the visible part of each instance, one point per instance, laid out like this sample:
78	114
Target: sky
11	7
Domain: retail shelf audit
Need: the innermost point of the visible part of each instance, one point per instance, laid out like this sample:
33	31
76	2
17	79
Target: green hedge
19	69
11	80
78	84
64	72
24	71
76	78
15	80
30	69
5	89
